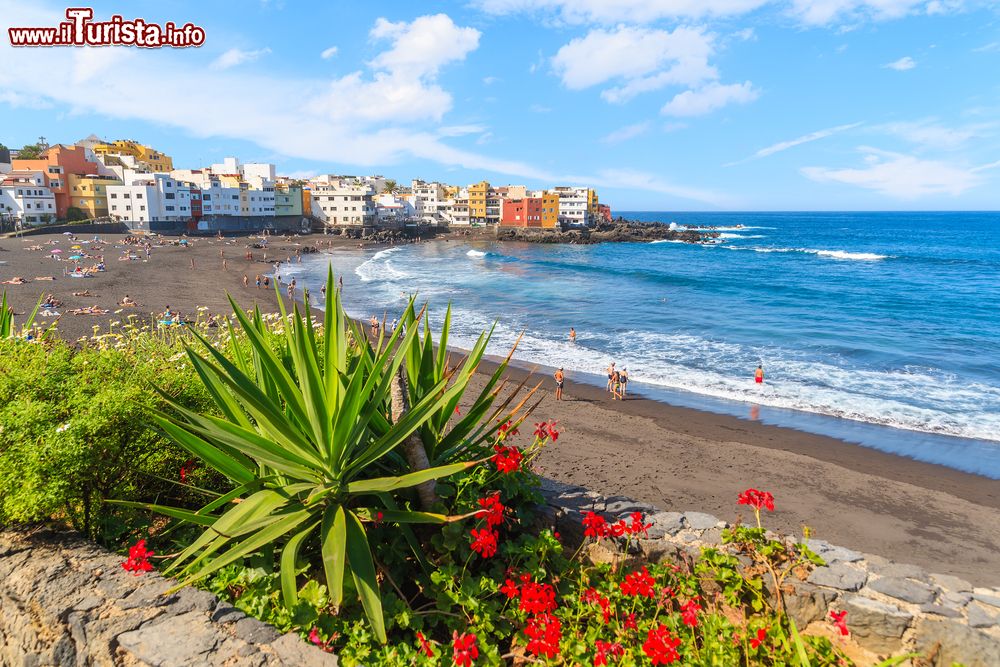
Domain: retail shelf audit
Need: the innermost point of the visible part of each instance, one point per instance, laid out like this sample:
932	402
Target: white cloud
490	80
420	48
930	134
746	35
823	12
641	59
460	130
619	11
234	57
626	133
901	65
808	12
791	143
901	176
988	48
710	98
638	180
328	53
539	108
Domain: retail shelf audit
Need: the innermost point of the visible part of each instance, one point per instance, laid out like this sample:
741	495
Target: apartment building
343	203
25	197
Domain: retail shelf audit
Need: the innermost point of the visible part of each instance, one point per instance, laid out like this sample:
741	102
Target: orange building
56	164
542	212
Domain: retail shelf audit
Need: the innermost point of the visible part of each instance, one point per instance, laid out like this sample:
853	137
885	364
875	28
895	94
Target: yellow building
593	210
550	210
478	193
149	157
88	192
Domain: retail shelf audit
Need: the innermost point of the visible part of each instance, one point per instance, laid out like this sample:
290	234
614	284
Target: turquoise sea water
879	328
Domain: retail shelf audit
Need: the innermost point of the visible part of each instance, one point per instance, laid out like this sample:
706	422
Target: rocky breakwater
66	602
622	231
892	608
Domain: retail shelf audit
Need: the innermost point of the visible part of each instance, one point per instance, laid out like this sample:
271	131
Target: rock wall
892	608
66	602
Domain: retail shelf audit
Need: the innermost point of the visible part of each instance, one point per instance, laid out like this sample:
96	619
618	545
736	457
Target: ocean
882	329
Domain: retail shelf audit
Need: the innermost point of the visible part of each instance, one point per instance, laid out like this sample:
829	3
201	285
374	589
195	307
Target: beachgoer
572	335
341	282
615	385
192	262
392	326
246	280
611	375
267	281
623	382
560	380
758	375
257	281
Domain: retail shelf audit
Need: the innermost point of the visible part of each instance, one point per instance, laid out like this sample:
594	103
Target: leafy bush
74	431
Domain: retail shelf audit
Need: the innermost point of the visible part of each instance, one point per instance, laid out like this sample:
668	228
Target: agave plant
428	363
306	439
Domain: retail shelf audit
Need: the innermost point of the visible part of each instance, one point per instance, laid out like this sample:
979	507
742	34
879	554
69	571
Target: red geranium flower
425	646
464	648
604	649
492	510
660	646
544	632
689	613
188	466
507	459
314	637
484	542
592	596
509	589
137	558
595	525
507	429
759	639
537	598
637	524
839	619
639	582
630	623
757	500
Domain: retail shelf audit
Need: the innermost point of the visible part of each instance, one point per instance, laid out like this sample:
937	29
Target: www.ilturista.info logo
80	30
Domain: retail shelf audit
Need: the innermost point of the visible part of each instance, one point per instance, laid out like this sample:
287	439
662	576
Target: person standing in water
572	335
611	375
560	380
623	382
758	375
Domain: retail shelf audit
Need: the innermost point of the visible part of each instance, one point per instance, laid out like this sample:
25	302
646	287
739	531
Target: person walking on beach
572	335
246	281
560	380
616	385
758	375
257	281
623	382
611	375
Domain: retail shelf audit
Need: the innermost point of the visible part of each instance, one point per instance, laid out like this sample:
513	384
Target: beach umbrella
67	233
56	251
76	256
76	247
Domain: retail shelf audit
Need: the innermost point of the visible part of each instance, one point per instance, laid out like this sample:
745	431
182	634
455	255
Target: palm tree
390	187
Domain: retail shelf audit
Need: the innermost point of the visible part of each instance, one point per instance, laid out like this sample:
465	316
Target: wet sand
676	458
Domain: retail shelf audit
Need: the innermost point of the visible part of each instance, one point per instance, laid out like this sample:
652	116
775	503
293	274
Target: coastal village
129	182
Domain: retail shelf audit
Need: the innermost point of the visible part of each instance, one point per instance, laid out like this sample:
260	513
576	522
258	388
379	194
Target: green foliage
74	432
30	152
74	213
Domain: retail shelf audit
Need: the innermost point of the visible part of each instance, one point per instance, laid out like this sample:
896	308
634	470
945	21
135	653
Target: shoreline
676	458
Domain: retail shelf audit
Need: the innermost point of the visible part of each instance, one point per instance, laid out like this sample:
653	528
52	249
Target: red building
604	212
57	163
526	212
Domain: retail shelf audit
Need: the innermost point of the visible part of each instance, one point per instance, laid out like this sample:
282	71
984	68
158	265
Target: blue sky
660	104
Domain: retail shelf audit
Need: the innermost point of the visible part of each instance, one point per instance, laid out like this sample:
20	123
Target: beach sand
675	458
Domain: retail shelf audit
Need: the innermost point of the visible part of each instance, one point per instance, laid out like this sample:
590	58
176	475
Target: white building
573	203
151	197
343	203
25	197
431	200
392	209
456	211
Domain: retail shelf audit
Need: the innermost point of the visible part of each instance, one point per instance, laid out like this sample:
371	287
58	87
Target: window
168	195
142	208
169	208
206	196
127	195
128	208
138	195
114	196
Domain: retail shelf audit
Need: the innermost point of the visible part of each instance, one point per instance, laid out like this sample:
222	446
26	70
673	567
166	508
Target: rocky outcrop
66	602
617	232
892	608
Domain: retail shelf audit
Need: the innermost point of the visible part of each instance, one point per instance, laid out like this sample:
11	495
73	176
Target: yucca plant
307	442
445	436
